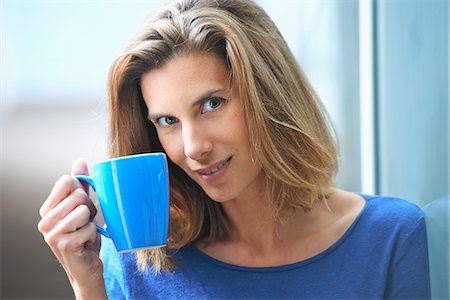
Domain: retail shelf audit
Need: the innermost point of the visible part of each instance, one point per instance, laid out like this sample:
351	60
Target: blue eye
166	121
211	104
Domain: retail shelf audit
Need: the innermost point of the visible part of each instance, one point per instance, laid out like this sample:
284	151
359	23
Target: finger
76	219
76	198
79	167
56	238
84	238
89	236
62	188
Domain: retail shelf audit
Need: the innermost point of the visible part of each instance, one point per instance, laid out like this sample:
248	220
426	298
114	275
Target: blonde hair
288	126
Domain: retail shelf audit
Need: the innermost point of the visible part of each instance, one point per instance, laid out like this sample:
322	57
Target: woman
254	213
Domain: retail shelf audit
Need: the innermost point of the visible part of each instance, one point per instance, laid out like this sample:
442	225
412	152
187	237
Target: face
201	125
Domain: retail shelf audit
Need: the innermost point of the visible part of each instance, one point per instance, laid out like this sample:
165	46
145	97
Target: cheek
241	133
173	148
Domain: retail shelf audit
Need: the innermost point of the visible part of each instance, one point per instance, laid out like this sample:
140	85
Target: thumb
79	167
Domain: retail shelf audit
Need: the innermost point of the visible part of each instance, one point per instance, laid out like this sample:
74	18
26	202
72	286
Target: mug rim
130	156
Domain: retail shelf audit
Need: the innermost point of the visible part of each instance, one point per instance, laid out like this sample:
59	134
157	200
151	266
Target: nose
197	144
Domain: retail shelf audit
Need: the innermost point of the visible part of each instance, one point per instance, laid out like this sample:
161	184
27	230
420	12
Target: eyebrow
205	96
202	98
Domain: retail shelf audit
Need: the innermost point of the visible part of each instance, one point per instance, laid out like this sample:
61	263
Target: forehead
184	78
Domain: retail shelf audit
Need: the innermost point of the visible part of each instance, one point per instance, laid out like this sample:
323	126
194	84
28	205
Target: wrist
95	291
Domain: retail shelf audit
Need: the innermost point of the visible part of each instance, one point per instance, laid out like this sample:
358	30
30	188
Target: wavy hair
289	129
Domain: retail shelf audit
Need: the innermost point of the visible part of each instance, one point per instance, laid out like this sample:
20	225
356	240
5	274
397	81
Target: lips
213	169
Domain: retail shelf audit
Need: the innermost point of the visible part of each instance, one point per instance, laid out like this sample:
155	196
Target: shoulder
376	211
392	209
112	262
109	255
392	220
116	266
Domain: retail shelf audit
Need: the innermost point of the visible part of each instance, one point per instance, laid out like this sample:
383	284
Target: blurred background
380	67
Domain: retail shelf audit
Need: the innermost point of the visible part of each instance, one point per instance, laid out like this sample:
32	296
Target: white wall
55	60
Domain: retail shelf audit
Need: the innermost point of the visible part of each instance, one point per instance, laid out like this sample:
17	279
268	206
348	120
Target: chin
218	197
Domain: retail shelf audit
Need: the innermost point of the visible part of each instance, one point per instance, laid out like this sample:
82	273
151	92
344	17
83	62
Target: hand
68	229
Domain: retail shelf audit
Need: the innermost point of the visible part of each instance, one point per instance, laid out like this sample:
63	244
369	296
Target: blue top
383	255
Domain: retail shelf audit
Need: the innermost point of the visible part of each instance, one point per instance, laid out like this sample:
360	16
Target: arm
67	228
409	276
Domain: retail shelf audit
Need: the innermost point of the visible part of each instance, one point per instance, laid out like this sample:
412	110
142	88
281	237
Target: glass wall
412	79
324	37
412	90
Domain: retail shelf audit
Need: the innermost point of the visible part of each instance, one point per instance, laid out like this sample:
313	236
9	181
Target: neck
258	239
253	223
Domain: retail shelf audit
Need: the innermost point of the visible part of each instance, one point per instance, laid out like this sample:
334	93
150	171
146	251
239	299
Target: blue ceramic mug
133	192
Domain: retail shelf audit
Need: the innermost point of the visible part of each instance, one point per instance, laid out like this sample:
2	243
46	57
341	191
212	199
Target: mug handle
89	180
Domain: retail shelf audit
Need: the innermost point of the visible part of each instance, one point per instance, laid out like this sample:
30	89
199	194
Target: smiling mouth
216	169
